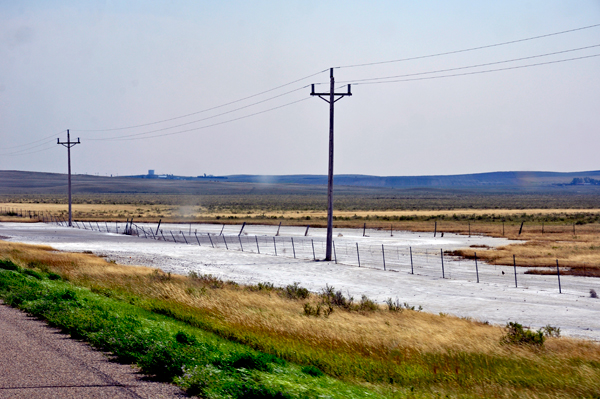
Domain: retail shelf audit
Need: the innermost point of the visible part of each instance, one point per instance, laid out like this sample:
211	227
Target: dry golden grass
381	334
580	252
111	212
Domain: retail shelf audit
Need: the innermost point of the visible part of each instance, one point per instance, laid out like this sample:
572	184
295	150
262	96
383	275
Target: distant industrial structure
152	175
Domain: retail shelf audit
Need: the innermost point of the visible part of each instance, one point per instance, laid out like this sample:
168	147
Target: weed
394	306
550	331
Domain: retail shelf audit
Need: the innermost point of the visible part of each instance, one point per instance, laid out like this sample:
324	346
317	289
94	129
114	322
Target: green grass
166	349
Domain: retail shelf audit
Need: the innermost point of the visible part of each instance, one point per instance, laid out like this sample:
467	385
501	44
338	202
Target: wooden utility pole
331	98
69	144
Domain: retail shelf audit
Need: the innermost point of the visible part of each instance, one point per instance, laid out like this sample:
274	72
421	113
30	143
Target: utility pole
69	144
331	98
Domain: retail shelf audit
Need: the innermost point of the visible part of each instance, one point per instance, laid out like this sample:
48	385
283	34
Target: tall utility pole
69	144
331	98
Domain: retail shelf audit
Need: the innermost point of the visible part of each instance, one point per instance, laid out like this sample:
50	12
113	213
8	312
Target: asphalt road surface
37	361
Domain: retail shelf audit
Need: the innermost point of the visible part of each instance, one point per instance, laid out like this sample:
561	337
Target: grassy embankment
390	352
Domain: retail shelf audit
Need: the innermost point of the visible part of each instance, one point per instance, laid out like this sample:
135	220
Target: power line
202	127
34	142
201	111
472	66
27	149
480	72
19	153
203	119
469	49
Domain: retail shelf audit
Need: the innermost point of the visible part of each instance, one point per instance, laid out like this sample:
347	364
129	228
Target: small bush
33	274
9	265
517	335
593	294
367	305
207	279
294	291
185	339
54	276
312	371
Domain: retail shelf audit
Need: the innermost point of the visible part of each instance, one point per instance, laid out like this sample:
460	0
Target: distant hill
493	179
19	182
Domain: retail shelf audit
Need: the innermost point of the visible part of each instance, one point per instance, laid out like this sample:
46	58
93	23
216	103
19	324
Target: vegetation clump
516	334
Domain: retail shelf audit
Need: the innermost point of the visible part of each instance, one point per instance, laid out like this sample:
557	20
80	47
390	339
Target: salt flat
536	302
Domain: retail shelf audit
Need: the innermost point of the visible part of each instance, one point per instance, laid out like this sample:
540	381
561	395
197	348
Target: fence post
435	229
222	228
242	229
521	228
99	227
183	236
276	235
334	253
515	267
364	229
383	253
357	255
172	236
225	241
275	246
412	271
476	268
196	234
313	247
442	256
306	232
240	240
211	241
558	274
391	230
293	248
573	228
469	229
257	247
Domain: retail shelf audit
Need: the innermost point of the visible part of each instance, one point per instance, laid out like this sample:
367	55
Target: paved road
37	361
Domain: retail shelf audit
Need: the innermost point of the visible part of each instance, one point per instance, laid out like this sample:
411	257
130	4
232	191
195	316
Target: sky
194	87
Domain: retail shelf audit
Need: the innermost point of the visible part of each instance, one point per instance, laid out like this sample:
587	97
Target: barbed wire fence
425	262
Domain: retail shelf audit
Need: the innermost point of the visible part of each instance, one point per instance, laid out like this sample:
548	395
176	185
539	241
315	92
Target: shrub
517	335
593	294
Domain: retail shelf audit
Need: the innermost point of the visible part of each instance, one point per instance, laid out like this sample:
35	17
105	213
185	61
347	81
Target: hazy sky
111	64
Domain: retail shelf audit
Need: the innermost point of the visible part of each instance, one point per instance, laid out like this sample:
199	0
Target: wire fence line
426	262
